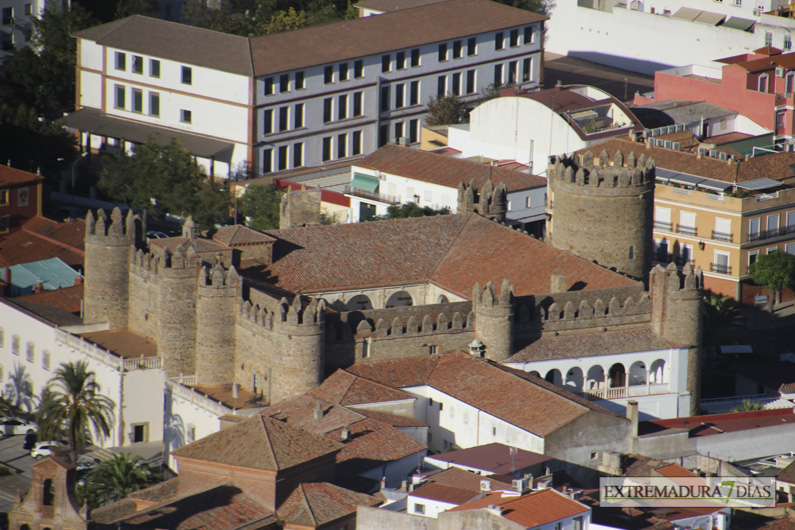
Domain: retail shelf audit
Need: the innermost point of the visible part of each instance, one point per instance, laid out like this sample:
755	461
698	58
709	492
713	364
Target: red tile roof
674	470
260	442
787	474
719	423
397	373
68	298
344	388
446	494
319	503
41	238
444	170
16	177
590	344
391	419
459	478
239	235
531	510
493	458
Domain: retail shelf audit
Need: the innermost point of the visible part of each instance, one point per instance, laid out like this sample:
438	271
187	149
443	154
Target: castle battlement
602	173
217	278
116	226
488	296
489	201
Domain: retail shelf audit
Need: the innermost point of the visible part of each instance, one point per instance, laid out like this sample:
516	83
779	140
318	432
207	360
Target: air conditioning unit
723	156
379	175
779	72
519	484
402	140
485	485
702	151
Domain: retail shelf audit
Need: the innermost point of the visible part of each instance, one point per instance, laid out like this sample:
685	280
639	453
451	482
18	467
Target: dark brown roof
41	238
444	170
773	166
459	478
397	373
157	493
452	251
787	474
401	29
239	235
260	442
124	342
319	503
786	60
16	177
493	458
447	494
387	6
177	42
590	344
344	388
391	419
68	298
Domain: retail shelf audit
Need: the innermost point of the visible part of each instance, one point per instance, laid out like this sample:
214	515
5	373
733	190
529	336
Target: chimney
235	391
557	283
318	412
632	416
39	287
496	510
346	434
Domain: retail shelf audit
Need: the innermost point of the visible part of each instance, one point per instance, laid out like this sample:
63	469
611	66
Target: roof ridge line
270	442
308	505
453	242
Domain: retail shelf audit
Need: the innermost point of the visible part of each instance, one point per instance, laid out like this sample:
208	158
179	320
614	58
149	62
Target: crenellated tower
218	292
489	201
677	316
176	334
494	317
109	244
603	209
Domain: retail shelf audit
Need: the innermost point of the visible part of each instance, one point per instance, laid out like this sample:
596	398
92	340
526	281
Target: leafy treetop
774	271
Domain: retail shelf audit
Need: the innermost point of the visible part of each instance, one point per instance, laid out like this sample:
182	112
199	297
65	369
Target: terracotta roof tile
590	344
260	442
157	493
344	388
673	470
16	177
467	480
68	298
391	419
531	510
444	170
493	458
239	235
397	373
387	6
787	474
41	238
314	504
200	244
447	494
372	443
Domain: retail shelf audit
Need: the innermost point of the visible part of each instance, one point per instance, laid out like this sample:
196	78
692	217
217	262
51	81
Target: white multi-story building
302	98
16	22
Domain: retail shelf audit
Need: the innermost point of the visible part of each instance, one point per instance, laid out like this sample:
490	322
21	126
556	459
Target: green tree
445	110
19	388
286	21
30	144
774	271
492	91
126	8
164	179
117	478
260	205
748	406
719	312
74	408
410	209
542	7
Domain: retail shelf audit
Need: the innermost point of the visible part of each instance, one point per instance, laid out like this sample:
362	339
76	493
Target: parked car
152	234
42	449
86	463
11	425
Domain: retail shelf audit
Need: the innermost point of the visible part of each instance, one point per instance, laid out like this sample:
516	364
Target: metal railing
721	236
662	225
380	197
720	268
687	230
773	232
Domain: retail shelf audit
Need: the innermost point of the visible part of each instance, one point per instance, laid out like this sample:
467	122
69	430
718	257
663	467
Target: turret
176	338
494	316
218	290
489	201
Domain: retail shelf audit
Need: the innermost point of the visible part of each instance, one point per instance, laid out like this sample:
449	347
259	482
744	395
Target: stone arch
637	373
617	376
24	527
535	373
48	493
360	302
400	299
595	378
657	374
553	376
442	299
575	379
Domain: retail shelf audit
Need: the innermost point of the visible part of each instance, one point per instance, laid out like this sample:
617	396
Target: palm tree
719	312
74	407
117	478
19	389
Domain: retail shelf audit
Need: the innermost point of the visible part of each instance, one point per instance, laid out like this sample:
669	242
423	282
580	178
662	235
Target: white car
9	426
86	463
42	449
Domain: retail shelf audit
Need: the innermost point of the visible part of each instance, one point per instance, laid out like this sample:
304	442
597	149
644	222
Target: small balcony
772	233
371	195
721	236
687	230
663	225
720	268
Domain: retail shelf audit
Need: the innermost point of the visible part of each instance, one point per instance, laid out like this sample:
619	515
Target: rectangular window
527	70
284	83
187	75
514	38
120	102
400	60
298	116
357	103
267	121
4	202
470	81
457	83
342	148
415	57
343	69
414	129
137	64
383	135
121	61
763	83
8	15
299	80
768	39
284	118
441	86
2	343
499	40
442	52
356	143
399	89
472	46
15	344
398	130
753	229
45	360
326	155
154	68
154	104
358	69
457	50
342	107
386	63
327	103
137	100
282	157
414	93
328	75
529	36
30	352
384	98
419	508
513	66
787	43
753	256
186	116
268	86
267	161
28	9
498	74
298	154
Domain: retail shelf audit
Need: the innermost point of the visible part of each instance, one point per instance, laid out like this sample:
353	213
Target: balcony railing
721	236
720	268
773	232
380	197
662	225
687	230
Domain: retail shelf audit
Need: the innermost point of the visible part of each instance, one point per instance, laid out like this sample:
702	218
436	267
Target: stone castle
275	312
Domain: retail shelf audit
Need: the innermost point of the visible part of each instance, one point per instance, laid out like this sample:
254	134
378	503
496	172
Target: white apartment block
302	98
16	22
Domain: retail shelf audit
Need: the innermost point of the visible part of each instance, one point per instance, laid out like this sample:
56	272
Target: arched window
48	493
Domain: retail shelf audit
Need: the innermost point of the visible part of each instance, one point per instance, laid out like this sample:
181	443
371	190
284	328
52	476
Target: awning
713	19
743	24
714	185
95	122
759	184
687	13
364	182
685	180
